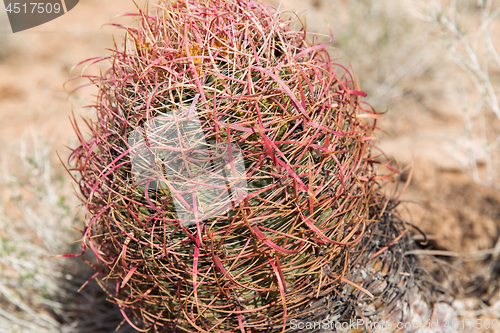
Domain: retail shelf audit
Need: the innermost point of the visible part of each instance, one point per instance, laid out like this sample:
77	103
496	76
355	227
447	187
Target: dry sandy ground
442	200
37	62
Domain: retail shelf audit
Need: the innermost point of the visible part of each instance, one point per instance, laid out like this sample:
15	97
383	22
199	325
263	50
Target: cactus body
228	171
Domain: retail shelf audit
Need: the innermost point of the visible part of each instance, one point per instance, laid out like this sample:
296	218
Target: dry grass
468	34
39	217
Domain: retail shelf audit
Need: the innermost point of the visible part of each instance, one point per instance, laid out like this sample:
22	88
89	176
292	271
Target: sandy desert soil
423	121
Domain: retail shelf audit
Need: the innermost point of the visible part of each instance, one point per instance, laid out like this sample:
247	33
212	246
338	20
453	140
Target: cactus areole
227	172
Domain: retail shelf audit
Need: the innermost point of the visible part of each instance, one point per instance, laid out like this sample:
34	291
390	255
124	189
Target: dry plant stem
475	53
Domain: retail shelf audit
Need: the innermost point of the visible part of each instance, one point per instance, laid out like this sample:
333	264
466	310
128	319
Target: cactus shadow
86	310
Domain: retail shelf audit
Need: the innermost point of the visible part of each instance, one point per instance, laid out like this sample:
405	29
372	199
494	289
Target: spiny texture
405	296
227	170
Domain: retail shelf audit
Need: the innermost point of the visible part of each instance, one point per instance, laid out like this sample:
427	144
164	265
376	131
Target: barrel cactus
228	171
